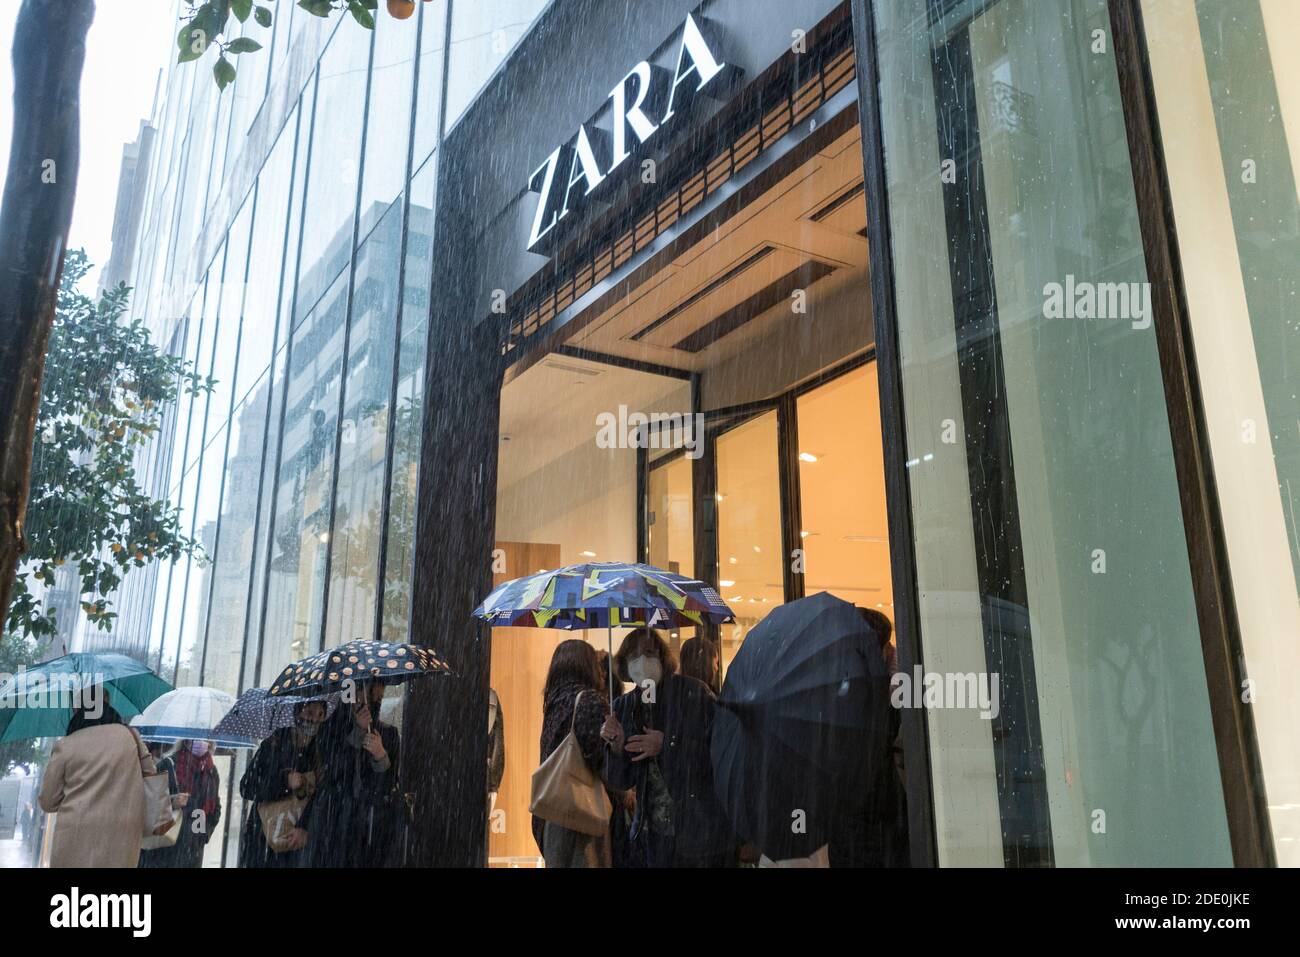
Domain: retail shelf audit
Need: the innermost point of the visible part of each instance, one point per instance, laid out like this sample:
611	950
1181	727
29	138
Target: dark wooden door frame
1234	727
898	498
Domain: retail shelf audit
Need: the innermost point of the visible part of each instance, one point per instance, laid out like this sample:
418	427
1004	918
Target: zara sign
643	102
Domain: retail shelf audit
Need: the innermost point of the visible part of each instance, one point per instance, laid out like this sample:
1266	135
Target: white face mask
642	667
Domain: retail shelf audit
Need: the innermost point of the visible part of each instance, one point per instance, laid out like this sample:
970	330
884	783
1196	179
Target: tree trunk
49	51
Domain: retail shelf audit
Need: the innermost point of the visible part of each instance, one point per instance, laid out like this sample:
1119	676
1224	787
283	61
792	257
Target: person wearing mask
354	817
199	783
94	781
659	739
572	698
284	766
702	661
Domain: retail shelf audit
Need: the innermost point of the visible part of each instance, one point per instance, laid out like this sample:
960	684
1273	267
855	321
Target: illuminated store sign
573	171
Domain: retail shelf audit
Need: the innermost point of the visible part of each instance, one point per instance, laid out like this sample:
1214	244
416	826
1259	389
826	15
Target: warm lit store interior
762	326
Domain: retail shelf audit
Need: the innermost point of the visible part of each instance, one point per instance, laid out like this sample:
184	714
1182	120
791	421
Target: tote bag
567	792
279	818
158	809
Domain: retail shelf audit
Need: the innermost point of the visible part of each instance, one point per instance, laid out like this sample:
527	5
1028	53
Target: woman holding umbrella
658	739
354	818
95	783
285	766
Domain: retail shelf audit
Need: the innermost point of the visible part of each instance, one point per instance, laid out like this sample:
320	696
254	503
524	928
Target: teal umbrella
37	702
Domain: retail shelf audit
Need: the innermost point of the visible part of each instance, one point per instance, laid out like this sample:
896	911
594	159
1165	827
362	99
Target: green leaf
241	9
243	45
224	71
361	14
317	8
263	16
193	40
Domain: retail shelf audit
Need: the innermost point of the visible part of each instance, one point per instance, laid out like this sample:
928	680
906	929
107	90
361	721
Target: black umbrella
802	724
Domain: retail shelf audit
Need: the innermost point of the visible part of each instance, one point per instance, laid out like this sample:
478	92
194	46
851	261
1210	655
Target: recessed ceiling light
807	457
726	584
588	554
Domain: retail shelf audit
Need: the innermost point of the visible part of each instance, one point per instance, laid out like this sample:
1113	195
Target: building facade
985	312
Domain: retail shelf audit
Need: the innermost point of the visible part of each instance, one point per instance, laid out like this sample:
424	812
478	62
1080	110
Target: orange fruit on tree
401	9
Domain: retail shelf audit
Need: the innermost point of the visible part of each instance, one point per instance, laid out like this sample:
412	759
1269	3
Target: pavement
14	854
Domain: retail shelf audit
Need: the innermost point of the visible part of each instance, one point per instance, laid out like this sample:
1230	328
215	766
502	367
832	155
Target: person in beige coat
95	783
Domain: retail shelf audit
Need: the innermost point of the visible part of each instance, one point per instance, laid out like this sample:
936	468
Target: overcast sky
129	44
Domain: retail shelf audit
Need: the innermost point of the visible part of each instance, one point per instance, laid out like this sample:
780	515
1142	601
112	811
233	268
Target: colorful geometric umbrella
603	595
363	659
37	702
187	714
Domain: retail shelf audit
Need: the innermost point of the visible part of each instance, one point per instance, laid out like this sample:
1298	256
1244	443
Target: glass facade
311	180
288	249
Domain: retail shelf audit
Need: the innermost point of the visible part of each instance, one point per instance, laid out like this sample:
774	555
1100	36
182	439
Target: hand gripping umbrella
604	595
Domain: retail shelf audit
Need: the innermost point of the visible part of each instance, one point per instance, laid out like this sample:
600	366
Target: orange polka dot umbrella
358	660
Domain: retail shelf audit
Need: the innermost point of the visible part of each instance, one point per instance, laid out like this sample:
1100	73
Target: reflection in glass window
392	74
298	549
428	106
482	34
265	259
1227	89
358	518
335	164
409	408
1045	436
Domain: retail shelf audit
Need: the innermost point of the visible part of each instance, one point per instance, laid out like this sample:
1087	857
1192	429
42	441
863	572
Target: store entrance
790	501
716	415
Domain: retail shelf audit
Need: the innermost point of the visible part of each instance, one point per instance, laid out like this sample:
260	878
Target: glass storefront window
1228	96
670	516
1050	549
751	571
845	533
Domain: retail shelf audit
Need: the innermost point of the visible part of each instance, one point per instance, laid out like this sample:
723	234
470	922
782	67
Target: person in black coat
356	816
869	827
659	739
573	698
285	765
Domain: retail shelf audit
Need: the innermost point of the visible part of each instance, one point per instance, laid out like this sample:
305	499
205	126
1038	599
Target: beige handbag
279	818
567	792
158	809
